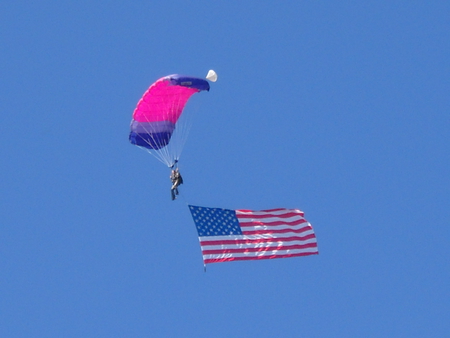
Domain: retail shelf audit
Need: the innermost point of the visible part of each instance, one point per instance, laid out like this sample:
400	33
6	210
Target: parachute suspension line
184	126
164	151
168	153
180	134
181	131
153	152
172	113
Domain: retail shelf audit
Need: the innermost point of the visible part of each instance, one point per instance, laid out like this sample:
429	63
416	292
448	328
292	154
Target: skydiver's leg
172	192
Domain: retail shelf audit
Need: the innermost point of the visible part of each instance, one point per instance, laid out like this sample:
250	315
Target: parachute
155	125
211	76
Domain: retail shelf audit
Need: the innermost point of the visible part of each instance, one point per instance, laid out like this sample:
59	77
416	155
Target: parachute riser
174	164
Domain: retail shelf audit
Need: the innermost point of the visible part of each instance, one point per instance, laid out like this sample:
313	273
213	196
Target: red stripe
256	241
264	249
227	259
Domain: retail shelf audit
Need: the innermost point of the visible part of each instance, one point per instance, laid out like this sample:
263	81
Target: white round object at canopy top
211	76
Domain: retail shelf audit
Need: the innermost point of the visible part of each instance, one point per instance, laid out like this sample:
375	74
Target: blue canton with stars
215	221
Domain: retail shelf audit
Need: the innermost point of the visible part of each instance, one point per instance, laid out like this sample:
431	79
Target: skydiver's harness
175	176
176	179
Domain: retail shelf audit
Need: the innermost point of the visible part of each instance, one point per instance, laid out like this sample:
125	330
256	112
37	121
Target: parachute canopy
156	115
160	107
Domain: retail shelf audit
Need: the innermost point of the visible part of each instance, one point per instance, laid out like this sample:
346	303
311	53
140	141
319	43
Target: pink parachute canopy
157	112
163	101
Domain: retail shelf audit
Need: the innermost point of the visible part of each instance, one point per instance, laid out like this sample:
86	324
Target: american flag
230	235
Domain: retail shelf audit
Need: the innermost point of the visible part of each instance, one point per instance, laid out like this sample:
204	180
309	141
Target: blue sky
340	109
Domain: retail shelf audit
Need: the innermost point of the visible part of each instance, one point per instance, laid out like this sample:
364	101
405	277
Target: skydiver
176	179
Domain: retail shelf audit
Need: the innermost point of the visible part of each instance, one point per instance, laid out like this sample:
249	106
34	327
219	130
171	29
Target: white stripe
252	237
270	219
258	245
261	254
276	227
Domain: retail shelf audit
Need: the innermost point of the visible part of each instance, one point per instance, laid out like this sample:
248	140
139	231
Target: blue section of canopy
188	81
150	141
151	135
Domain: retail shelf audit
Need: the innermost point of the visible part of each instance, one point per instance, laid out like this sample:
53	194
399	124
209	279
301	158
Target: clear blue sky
338	108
